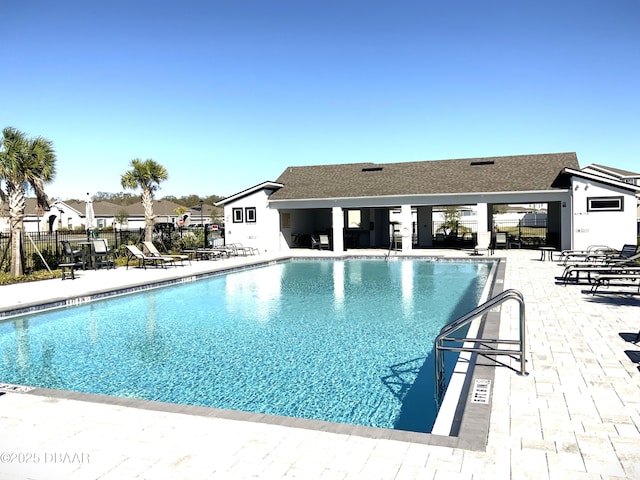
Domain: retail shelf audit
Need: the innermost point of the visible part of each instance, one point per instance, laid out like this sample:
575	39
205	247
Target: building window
250	214
354	219
605	204
237	215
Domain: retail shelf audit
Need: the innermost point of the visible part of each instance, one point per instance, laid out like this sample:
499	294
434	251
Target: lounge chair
102	255
230	249
239	249
566	255
153	251
629	278
604	267
597	257
500	240
320	242
628	251
212	253
144	260
324	242
483	243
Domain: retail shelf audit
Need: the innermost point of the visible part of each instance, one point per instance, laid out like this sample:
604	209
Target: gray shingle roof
470	175
622	173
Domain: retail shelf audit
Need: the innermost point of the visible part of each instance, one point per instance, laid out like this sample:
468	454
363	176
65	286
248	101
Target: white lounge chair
483	243
153	251
144	260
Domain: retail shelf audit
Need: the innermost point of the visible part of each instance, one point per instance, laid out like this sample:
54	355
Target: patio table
87	254
546	253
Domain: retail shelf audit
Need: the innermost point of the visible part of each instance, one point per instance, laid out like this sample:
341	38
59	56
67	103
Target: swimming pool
345	341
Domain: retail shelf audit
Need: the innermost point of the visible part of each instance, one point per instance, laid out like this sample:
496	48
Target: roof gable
470	175
617	172
564	179
261	186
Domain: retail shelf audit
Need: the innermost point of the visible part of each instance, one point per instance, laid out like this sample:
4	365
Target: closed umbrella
90	218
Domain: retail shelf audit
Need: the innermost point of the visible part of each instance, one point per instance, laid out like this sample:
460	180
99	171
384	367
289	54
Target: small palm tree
25	164
147	175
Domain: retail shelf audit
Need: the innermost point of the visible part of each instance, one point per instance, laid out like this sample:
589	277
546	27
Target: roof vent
372	169
483	162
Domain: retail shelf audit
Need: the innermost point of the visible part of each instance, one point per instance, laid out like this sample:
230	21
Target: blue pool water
343	341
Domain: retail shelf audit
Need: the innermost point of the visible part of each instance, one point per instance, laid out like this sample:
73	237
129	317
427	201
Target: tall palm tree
25	164
147	175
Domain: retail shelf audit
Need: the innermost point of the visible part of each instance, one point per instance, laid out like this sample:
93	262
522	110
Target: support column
425	226
337	216
406	228
484	222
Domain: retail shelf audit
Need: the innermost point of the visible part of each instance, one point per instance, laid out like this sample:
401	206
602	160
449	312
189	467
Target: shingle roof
618	171
101	208
470	175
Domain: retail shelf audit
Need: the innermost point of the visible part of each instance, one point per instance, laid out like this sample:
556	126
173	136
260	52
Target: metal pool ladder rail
441	340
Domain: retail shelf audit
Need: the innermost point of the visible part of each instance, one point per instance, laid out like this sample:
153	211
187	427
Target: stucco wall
612	228
264	233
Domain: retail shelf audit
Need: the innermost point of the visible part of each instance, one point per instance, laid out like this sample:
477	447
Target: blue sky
227	94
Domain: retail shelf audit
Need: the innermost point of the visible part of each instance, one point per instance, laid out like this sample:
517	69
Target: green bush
8	279
191	240
49	257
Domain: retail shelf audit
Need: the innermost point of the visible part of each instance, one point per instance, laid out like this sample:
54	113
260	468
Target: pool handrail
450	328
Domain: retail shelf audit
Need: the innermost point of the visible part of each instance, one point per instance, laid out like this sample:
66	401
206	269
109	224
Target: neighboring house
72	215
36	220
352	202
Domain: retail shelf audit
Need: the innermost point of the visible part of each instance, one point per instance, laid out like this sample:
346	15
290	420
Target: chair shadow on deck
634	338
618	298
634	356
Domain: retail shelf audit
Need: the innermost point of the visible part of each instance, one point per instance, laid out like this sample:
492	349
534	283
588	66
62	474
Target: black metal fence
44	245
527	233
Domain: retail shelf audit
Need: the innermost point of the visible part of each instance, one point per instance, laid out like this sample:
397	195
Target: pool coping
469	430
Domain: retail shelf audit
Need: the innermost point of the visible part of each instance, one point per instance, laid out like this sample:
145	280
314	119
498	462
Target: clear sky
227	94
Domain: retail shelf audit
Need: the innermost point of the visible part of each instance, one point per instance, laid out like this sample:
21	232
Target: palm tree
146	174
25	164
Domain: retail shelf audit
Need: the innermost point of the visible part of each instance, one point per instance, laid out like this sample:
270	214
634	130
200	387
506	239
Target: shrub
49	257
8	279
191	240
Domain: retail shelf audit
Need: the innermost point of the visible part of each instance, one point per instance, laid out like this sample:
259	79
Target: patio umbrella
90	218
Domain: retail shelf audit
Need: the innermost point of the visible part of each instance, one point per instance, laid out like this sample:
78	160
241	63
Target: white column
337	216
406	229
483	217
